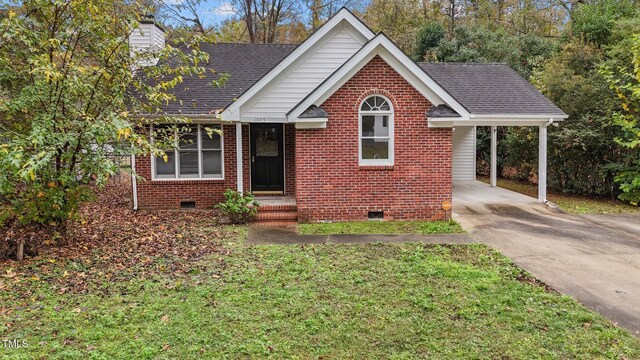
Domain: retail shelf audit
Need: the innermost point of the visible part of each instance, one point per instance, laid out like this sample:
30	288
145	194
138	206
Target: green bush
238	207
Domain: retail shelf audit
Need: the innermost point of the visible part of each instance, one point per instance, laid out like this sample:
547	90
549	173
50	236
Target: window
193	152
376	131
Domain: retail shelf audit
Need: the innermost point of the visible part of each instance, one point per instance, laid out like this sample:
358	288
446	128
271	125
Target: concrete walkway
595	259
280	235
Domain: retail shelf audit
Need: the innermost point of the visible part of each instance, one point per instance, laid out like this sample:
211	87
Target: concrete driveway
595	258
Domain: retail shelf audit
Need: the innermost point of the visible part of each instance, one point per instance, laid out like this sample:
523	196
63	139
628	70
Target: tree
66	76
593	22
428	38
398	19
184	13
624	80
472	43
264	17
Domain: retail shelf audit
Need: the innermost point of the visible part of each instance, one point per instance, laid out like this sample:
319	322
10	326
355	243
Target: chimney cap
151	19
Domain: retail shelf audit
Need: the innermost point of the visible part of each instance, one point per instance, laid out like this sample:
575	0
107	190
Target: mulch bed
110	244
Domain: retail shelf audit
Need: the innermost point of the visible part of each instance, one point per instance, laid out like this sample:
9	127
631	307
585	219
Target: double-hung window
193	151
376	131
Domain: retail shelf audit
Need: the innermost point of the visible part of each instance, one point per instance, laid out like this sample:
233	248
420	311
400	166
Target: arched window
376	131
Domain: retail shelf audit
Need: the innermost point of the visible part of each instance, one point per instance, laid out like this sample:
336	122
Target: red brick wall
330	184
167	194
290	159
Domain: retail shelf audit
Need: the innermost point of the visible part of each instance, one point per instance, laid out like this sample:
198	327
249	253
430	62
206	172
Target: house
343	126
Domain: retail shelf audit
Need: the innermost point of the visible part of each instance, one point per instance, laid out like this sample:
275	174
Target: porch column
542	164
494	156
239	156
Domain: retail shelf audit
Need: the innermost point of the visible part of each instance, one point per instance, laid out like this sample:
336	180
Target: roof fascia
232	112
555	117
503	121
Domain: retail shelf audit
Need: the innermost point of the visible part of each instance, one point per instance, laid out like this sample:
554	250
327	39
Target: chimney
146	41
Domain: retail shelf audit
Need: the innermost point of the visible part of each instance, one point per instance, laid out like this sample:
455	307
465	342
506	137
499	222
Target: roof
245	64
442	110
313	112
482	89
490	89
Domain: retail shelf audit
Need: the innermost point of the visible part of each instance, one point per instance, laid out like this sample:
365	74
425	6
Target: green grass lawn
381	227
397	301
569	203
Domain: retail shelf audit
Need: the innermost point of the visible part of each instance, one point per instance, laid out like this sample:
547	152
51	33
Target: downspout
134	182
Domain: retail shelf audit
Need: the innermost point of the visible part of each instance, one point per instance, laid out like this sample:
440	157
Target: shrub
238	207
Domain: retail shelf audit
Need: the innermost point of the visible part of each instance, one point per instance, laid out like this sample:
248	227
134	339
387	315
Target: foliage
398	19
583	157
311	301
381	227
626	84
429	36
472	43
66	109
238	207
594	21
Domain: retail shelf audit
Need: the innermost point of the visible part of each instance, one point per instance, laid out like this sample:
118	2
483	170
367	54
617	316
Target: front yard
181	286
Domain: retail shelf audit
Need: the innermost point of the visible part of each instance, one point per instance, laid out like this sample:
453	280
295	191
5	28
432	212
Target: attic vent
376	215
188	204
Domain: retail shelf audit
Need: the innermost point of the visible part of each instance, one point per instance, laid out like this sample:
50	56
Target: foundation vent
188	204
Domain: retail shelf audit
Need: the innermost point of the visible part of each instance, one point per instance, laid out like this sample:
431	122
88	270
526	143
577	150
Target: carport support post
542	164
494	156
239	156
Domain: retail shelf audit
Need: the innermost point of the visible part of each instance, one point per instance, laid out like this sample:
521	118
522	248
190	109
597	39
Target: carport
493	95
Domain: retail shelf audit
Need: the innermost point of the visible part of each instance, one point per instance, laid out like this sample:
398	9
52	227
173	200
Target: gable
383	47
275	100
376	77
309	64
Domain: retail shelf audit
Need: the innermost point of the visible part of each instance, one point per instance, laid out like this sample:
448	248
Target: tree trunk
20	250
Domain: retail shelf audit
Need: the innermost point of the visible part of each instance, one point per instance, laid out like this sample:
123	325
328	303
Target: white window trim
390	113
200	176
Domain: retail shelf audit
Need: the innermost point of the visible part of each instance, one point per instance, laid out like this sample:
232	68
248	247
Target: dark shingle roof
442	110
494	89
314	112
245	64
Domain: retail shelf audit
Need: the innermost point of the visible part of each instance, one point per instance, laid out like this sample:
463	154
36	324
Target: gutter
134	182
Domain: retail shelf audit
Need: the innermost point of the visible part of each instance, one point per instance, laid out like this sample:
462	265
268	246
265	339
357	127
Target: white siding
146	38
464	153
273	102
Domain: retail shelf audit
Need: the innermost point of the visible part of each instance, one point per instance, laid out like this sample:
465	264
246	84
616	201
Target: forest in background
579	53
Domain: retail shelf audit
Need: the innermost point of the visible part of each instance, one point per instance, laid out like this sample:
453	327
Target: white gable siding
273	103
464	153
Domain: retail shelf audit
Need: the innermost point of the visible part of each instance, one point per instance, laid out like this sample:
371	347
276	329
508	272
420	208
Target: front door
267	158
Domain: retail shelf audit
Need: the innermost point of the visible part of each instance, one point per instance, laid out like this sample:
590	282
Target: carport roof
491	89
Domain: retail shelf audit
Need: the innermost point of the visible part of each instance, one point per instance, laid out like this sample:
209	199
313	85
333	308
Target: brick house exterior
336	187
341	127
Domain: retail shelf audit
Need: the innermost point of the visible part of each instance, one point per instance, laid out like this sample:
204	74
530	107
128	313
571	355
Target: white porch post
239	156
542	164
494	156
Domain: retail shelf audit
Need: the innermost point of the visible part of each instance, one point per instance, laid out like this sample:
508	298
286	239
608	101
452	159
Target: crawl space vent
376	215
188	204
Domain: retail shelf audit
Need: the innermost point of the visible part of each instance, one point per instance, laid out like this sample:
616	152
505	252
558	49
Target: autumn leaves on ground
176	284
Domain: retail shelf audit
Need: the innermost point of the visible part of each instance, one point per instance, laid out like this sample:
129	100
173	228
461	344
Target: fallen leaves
110	244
